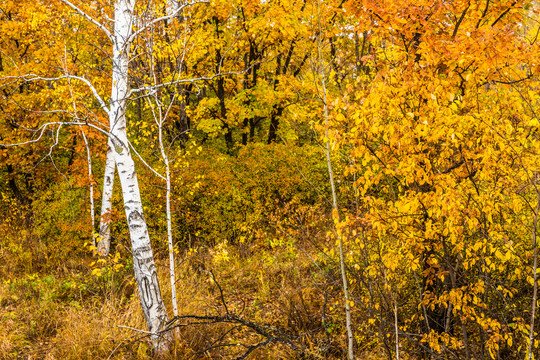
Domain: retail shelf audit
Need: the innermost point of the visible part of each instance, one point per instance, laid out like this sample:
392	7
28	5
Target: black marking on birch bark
157	289
146	292
145	248
135	226
143	256
162	319
108	180
135	216
144	262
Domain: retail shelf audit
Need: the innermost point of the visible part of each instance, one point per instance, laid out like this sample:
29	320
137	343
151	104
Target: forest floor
84	309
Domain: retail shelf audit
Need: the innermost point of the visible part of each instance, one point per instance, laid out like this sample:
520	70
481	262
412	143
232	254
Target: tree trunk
143	259
172	272
335	210
274	124
104	243
172	7
90	187
13	184
277	109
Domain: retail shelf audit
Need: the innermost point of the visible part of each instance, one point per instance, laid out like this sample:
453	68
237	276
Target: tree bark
13	184
104	243
172	271
143	259
90	187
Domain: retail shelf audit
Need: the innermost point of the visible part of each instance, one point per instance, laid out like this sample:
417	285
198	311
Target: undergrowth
94	312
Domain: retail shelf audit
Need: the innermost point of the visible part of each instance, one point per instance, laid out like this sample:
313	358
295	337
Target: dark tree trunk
13	185
274	124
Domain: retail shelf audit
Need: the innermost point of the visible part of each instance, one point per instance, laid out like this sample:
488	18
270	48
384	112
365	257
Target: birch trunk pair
143	259
119	156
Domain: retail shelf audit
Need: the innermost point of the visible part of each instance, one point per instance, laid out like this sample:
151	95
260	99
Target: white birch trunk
172	271
143	259
104	243
335	208
348	321
91	187
173	7
171	245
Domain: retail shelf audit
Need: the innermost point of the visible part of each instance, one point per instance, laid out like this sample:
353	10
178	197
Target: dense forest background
305	153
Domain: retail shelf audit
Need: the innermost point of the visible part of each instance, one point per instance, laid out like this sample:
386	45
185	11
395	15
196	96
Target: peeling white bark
143	259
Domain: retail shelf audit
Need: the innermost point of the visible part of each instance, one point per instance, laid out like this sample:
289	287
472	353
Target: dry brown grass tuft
95	333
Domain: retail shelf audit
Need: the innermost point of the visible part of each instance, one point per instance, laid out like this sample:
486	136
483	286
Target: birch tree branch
134	329
89	18
162	18
145	163
44	127
152	88
41	131
34	77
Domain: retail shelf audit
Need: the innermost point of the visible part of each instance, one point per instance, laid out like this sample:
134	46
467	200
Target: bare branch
89	18
270	333
220	291
153	88
503	13
460	20
134	329
251	348
44	127
162	18
34	77
41	131
56	140
144	162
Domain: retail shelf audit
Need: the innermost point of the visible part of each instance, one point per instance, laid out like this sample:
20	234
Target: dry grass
278	286
96	334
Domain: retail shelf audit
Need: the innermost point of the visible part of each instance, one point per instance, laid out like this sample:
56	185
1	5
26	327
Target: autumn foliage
432	119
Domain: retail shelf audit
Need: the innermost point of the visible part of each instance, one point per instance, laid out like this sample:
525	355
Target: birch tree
143	259
146	276
104	243
124	29
320	73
